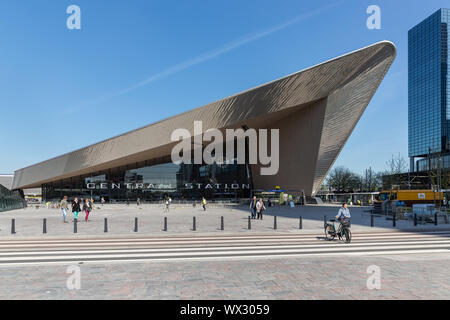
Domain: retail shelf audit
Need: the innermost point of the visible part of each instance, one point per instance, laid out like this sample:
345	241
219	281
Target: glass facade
156	179
429	86
11	200
433	163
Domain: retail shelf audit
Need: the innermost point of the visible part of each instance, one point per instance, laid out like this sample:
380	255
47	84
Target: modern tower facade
429	92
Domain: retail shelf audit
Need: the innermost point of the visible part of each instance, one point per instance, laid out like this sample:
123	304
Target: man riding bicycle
343	216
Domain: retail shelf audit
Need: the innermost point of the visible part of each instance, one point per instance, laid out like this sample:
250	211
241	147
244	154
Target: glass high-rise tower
429	91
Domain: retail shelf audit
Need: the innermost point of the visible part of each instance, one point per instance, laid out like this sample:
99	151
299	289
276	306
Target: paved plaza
121	220
402	277
340	275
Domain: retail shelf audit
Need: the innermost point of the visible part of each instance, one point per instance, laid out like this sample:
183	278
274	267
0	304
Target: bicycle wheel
330	236
347	235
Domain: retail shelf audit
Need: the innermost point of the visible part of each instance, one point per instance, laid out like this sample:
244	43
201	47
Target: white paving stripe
190	241
236	247
274	252
220	238
261	257
328	245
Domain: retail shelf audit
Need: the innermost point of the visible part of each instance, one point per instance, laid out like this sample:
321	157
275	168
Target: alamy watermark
374	280
74	20
374	20
74	280
258	145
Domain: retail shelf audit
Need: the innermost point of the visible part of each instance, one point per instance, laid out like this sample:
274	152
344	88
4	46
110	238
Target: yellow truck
410	197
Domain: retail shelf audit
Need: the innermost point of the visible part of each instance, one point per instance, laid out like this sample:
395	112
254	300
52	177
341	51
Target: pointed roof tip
390	44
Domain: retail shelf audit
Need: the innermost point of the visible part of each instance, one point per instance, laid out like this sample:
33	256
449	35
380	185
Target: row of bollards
394	219
165	228
222	225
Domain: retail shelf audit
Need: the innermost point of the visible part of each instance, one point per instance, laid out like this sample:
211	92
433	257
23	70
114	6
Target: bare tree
372	180
342	179
396	165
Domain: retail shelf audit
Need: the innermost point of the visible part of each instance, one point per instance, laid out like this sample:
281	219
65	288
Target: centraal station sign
151	186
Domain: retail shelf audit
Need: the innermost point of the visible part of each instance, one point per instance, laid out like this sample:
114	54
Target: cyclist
343	215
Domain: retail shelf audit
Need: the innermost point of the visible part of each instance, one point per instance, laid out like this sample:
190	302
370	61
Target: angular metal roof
6	180
341	88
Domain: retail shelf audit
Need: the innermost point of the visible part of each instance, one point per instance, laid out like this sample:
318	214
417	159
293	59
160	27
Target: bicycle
344	234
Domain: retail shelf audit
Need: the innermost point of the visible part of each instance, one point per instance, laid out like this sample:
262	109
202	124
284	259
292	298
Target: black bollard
300	224
165	224
13	226
415	219
249	223
136	225
75	228
194	225
371	220
394	222
435	219
44	226
222	225
106	225
275	222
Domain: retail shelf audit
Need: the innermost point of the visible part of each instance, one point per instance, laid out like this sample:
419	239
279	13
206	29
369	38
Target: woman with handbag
87	209
260	208
75	208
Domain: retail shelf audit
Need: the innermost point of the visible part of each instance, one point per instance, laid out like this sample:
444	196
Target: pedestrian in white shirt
260	208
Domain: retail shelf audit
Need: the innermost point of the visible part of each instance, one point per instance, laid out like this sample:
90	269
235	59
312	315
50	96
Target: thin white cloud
212	54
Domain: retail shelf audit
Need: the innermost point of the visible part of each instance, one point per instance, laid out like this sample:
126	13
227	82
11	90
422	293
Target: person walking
260	208
102	201
87	209
204	203
91	202
138	201
253	203
64	208
75	209
166	208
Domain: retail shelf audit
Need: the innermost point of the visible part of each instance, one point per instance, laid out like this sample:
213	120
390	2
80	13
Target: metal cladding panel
299	142
345	107
293	91
6	181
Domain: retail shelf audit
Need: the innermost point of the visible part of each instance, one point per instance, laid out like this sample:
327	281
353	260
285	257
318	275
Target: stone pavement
421	276
413	276
121	221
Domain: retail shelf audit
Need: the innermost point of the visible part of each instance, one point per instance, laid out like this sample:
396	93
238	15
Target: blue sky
139	61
